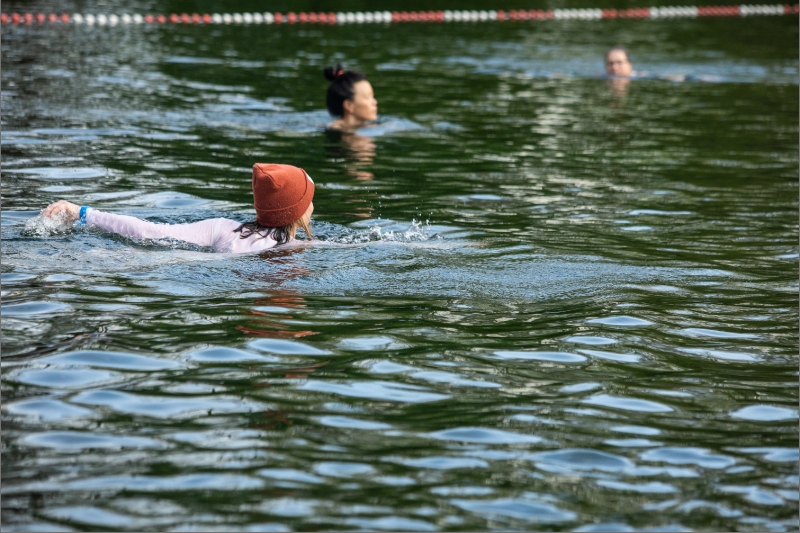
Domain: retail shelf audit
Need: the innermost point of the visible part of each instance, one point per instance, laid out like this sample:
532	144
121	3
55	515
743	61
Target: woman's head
618	62
282	195
350	95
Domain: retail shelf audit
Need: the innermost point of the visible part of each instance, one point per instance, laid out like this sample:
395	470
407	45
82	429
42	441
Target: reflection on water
358	153
532	301
618	87
362	150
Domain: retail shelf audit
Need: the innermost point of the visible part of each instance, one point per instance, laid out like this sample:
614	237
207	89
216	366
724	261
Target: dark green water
535	300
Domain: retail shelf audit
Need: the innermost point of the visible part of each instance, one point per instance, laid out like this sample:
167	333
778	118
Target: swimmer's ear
348	106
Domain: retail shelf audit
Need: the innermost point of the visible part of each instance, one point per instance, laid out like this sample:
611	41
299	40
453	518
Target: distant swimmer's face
618	64
363	105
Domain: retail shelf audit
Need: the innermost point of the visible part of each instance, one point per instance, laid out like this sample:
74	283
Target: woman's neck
351	121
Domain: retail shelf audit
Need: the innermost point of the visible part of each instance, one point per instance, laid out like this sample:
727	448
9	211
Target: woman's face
363	105
618	64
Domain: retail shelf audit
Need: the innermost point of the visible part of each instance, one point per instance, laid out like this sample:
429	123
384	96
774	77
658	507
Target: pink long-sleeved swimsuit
216	233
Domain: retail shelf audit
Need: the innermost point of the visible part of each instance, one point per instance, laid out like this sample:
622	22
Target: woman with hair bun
350	97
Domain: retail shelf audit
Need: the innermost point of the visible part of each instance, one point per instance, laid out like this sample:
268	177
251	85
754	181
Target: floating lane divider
744	10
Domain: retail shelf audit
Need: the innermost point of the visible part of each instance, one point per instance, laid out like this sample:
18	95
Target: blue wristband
82	215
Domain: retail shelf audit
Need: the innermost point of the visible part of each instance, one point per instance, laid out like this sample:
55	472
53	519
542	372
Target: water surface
535	300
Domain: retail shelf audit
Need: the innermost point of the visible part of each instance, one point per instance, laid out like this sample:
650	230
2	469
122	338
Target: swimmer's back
216	233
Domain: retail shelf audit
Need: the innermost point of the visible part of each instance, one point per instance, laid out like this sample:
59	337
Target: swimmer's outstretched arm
204	233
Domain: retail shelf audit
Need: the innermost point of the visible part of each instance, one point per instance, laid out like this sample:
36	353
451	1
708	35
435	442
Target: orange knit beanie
281	194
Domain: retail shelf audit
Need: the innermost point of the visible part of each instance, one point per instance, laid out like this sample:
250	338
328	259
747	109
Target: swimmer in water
350	97
282	199
618	63
619	70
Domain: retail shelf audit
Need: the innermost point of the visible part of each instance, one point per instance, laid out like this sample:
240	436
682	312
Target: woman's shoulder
219	226
336	125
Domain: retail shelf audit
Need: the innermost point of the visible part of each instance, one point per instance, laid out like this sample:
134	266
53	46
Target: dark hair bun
333	73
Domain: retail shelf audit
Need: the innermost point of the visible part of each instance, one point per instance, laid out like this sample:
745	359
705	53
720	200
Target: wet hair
281	235
341	88
622	49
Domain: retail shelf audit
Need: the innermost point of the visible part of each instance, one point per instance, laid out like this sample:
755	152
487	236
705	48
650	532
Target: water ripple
34	309
775	454
190	482
556	357
702	332
378	390
535	512
60	173
620	321
163	406
222	354
283	347
122	361
484	435
679	455
347	422
391	523
72	378
627	404
721	354
583	459
75	440
613	356
289	474
765	413
588	339
443	462
340	469
47	409
653	487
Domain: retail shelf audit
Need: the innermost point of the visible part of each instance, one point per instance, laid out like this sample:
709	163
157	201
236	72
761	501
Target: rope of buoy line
744	10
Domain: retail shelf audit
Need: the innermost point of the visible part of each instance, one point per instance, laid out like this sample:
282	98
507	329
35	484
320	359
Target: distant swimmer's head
282	197
350	96
618	62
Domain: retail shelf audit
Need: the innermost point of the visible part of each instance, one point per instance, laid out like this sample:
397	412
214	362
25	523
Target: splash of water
416	232
42	226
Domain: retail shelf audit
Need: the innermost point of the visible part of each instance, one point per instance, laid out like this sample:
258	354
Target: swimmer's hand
62	206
